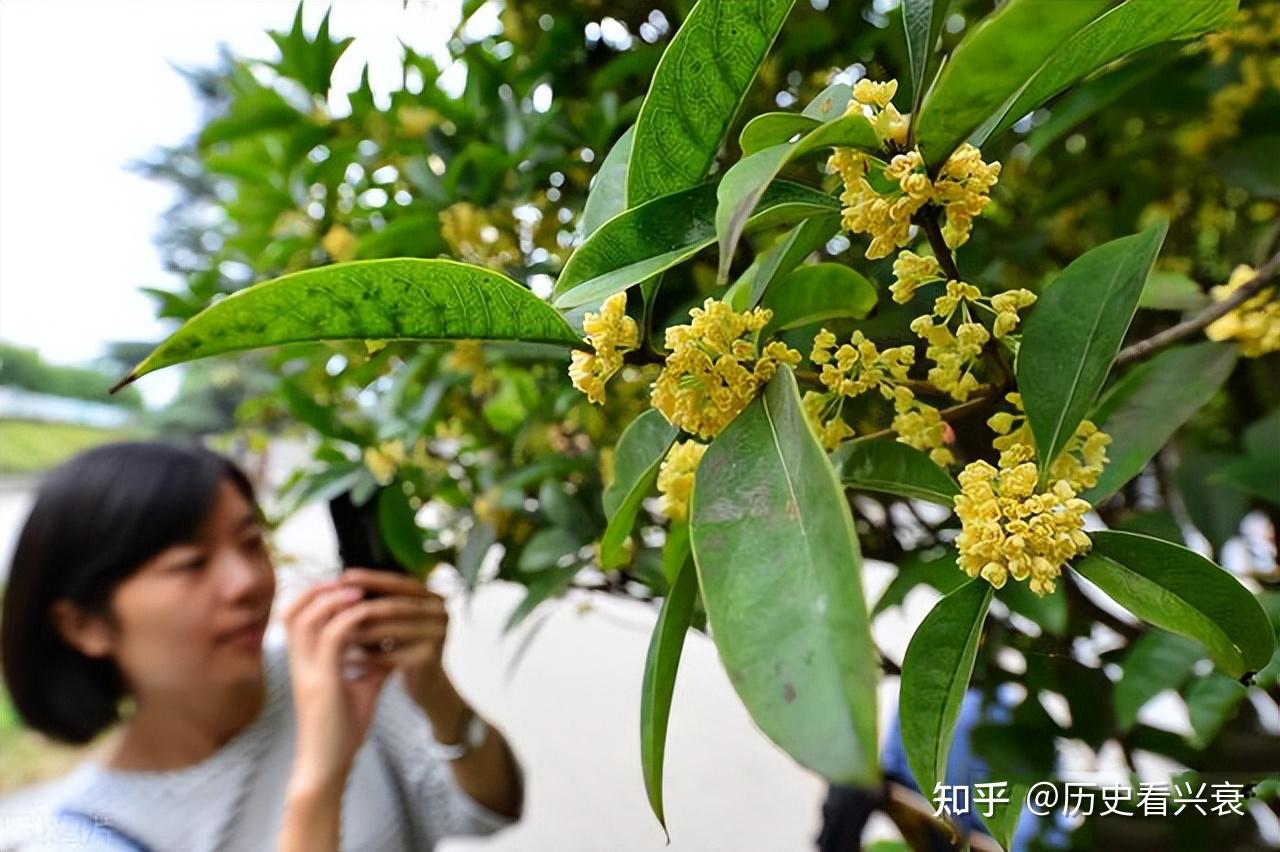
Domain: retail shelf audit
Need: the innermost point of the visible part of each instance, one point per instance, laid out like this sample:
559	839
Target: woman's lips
250	635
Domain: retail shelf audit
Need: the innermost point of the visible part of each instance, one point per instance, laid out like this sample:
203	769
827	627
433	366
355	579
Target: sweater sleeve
437	806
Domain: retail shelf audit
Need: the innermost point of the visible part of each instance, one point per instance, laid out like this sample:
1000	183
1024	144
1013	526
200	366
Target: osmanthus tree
1035	417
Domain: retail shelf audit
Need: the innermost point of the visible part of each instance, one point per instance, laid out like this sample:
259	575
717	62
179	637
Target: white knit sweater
398	796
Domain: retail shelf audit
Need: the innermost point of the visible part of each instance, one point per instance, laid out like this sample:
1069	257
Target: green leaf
780	258
772	129
480	538
645	240
922	22
792	629
1257	476
248	114
1156	661
365	300
1215	509
1143	410
935	675
1125	29
323	418
660	666
548	584
1263	435
991	65
745	182
1172	291
702	78
1180	591
608	195
400	530
545	549
818	292
637	457
893	467
1074	333
1003	821
1211	703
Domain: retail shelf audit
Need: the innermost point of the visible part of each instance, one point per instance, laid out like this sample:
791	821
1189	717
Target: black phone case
360	543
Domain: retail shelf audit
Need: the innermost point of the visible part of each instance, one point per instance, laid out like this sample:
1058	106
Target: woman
142	578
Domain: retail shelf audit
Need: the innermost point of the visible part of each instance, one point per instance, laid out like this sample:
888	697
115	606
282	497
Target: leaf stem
1186	328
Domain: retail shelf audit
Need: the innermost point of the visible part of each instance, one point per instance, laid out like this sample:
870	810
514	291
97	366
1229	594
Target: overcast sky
86	86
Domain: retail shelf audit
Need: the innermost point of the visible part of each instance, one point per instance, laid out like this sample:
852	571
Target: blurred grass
32	446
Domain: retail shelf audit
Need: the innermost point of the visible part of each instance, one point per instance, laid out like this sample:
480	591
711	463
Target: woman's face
195	612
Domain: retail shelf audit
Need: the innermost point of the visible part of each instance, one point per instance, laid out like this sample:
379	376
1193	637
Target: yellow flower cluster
675	478
873	205
474	236
859	366
1081	460
955	355
1255	323
1254	37
467	356
910	272
383	460
1009	530
610	333
713	371
963	191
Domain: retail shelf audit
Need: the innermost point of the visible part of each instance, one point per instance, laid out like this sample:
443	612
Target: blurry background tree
501	468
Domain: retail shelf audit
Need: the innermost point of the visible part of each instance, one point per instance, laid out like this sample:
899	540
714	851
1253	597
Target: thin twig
955	412
925	219
1185	329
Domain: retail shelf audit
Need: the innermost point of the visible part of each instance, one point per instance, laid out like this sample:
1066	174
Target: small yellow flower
910	271
920	425
416	120
610	333
339	243
712	370
383	460
954	356
675	478
1255	323
1006	305
1079	464
1009	530
963	191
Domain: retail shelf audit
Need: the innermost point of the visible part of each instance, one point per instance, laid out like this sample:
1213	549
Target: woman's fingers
387	582
400	630
308	623
304	599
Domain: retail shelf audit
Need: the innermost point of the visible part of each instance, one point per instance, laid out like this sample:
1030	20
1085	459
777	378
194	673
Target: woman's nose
244	576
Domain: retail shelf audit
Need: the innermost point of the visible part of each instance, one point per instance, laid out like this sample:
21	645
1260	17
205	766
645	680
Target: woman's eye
194	564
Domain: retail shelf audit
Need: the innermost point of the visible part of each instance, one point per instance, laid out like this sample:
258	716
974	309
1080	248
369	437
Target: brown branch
929	224
1185	329
955	412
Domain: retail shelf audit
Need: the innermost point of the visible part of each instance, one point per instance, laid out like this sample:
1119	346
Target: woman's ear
88	634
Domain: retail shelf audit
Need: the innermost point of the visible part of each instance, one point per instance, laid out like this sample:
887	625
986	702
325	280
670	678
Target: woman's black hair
97	519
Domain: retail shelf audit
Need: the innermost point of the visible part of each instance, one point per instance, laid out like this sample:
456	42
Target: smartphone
360	543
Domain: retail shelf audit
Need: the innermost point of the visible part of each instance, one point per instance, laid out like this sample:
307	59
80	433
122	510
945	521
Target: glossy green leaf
637	457
818	292
701	80
892	467
365	300
922	22
1143	410
1263	435
1127	28
1004	818
745	182
480	538
791	629
772	129
660	666
781	257
608	195
935	675
1074	333
1180	591
991	65
1156	661
546	548
645	240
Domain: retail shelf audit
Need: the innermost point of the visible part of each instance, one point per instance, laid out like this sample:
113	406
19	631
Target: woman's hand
405	629
333	713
